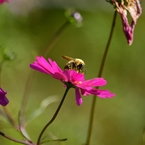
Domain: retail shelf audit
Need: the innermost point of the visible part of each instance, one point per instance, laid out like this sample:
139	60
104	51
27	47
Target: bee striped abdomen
74	64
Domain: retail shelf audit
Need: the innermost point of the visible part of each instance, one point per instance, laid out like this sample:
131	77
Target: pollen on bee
74	64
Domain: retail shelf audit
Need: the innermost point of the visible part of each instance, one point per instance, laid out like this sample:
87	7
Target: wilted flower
135	10
72	79
3	100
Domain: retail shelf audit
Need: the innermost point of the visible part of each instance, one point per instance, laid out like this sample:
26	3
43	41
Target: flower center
72	85
78	82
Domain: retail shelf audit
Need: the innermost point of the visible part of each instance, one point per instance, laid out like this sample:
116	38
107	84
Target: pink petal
79	100
78	76
73	76
100	93
41	65
94	82
54	66
89	91
60	76
85	92
105	94
44	66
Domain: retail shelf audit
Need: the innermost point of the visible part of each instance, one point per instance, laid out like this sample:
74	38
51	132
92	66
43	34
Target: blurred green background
26	28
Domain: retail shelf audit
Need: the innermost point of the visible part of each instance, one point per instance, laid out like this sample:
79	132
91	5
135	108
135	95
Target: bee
74	64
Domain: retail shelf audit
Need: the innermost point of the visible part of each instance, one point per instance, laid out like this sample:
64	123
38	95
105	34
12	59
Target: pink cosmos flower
72	79
2	1
3	100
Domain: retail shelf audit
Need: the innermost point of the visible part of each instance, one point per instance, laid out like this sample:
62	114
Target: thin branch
55	38
22	130
7	114
54	116
13	139
99	75
31	75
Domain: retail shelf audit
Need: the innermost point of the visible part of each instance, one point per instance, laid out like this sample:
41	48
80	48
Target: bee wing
67	57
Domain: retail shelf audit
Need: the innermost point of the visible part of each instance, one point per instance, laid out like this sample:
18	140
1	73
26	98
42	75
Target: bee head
74	64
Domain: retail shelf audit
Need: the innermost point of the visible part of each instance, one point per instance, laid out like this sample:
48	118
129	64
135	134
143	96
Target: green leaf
47	101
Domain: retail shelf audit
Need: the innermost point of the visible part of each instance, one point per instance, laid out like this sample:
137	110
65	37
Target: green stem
99	75
15	140
55	38
25	97
32	73
54	116
8	115
22	130
10	118
143	136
